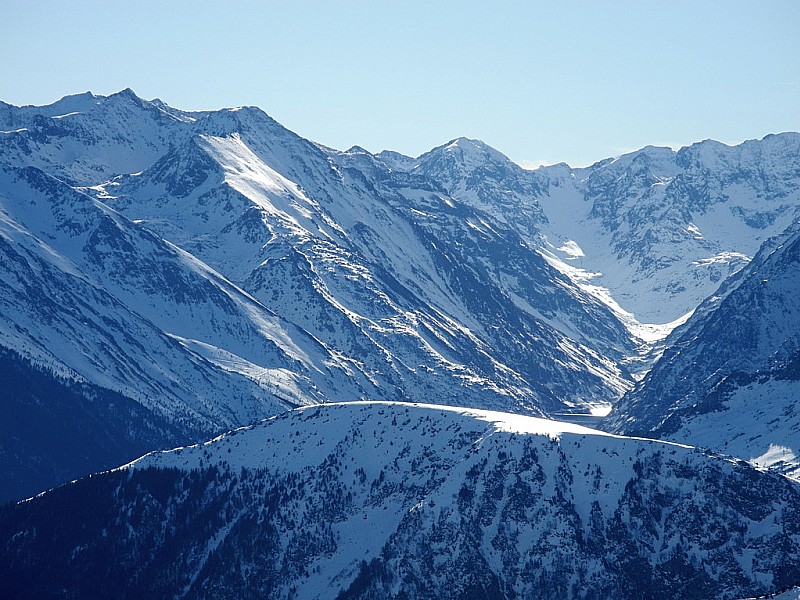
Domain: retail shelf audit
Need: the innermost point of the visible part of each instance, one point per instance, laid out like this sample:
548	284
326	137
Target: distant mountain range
168	276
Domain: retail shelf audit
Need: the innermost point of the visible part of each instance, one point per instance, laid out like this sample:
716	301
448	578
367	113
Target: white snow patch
721	258
692	230
775	455
66	115
571	249
600	410
654	332
646	332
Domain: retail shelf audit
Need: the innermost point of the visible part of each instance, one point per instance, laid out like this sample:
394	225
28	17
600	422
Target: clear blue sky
540	81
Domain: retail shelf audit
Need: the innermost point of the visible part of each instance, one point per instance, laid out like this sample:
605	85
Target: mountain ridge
491	504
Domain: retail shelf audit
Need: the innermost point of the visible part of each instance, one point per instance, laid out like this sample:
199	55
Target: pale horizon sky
550	82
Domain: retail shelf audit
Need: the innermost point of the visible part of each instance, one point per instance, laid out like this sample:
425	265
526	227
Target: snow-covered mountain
96	299
657	229
85	139
729	377
216	268
383	267
377	500
416	290
166	276
688	219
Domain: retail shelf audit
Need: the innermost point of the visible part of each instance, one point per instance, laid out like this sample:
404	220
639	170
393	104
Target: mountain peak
646	155
395	160
778	151
465	154
87	95
125	93
464	141
357	150
473	146
128	94
226	121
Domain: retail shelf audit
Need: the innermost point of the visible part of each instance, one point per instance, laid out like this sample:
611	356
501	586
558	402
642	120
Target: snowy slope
384	267
728	379
100	301
190	309
369	500
756	420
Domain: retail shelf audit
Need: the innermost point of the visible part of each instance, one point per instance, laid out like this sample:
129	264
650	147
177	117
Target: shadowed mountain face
376	500
729	378
56	429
